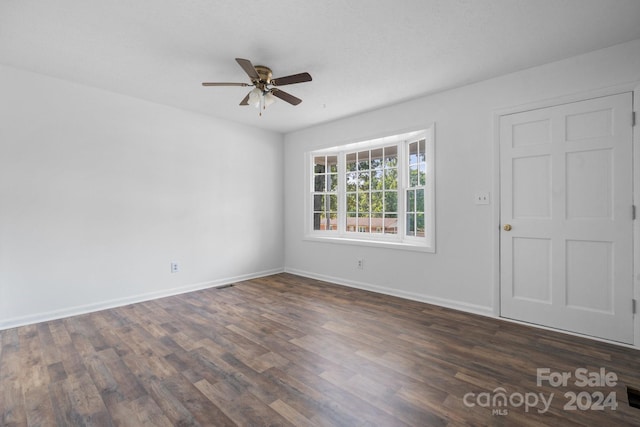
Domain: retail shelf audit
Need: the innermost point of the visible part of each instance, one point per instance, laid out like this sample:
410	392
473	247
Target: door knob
507	227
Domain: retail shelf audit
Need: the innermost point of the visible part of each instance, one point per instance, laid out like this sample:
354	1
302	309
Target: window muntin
379	191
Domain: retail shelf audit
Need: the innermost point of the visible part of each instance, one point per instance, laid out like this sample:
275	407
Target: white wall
463	271
100	192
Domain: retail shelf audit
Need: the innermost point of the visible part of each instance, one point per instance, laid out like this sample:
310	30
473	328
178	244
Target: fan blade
245	100
286	97
225	84
288	80
248	68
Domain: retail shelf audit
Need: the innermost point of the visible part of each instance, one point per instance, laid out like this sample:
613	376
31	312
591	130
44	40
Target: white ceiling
362	54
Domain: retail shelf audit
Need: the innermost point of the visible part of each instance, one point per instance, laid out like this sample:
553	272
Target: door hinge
633	306
633	212
633	118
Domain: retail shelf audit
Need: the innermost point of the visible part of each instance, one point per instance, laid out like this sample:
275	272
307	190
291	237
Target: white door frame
611	90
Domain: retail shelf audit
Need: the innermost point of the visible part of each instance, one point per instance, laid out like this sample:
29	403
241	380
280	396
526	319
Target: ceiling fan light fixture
255	97
269	99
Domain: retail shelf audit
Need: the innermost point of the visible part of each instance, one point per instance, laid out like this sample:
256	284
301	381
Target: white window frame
399	240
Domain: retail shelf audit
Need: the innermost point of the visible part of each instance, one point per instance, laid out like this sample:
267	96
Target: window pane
377	202
391	179
352	202
363	181
413	176
411	228
411	201
351	222
352	181
377	158
332	162
363	160
363	223
319	164
377	223
377	183
318	202
421	150
351	162
319	183
390	156
391	201
420	225
363	202
391	224
333	182
318	221
333	203
420	200
423	174
330	222
413	153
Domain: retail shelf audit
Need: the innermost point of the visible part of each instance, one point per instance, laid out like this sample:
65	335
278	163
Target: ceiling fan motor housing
264	73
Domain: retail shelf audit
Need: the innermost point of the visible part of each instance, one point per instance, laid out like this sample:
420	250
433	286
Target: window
325	193
415	188
372	190
377	192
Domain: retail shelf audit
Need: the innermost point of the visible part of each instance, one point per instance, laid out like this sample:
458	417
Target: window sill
405	246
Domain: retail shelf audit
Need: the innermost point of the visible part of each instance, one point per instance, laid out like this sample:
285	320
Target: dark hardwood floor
287	350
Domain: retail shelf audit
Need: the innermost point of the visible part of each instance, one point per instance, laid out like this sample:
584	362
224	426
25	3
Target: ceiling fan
266	88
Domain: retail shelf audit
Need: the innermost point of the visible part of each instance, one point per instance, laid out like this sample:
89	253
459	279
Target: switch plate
481	198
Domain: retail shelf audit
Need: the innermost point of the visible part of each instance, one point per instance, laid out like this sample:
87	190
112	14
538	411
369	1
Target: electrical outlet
481	198
360	263
175	267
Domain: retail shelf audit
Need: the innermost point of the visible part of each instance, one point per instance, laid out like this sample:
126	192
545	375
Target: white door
566	195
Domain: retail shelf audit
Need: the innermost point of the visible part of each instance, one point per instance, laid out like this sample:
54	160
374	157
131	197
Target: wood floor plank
87	406
385	399
203	410
288	350
307	401
38	407
291	415
48	348
240	406
33	371
128	387
104	381
141	412
172	408
61	402
13	408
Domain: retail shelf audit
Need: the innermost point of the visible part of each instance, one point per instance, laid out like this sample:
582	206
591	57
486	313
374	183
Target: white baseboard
119	302
443	302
